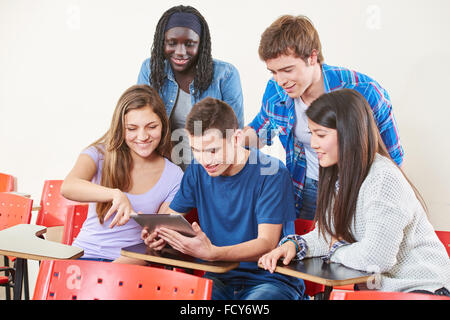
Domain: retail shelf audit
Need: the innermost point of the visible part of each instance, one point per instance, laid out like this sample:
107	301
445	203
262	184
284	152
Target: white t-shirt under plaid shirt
393	235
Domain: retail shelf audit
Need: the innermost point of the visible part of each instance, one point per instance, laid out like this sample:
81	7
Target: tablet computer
174	222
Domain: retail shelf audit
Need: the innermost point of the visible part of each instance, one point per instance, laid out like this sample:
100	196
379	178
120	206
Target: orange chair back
76	215
54	206
93	280
6	182
380	295
14	209
444	236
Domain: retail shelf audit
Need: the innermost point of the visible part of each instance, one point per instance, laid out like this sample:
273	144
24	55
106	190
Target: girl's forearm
85	191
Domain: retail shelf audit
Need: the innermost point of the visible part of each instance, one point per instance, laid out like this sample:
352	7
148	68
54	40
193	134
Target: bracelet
295	242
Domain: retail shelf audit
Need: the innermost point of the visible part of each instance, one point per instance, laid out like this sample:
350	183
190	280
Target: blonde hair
117	163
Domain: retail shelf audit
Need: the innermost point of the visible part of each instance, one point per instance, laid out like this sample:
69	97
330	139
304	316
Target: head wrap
186	20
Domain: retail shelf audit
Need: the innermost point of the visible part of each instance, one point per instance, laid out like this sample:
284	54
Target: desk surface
22	241
318	271
175	258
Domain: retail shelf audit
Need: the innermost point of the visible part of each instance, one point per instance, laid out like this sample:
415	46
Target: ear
238	137
313	57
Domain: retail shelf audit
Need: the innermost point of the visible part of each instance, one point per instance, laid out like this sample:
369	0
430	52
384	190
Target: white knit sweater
393	236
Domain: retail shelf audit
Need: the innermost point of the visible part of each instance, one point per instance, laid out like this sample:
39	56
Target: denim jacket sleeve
232	93
144	73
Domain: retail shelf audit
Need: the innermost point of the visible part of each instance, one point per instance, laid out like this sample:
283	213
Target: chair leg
8	292
25	279
327	292
325	295
7	287
18	279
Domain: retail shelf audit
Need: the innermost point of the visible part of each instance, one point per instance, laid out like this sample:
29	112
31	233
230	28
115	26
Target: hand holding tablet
174	222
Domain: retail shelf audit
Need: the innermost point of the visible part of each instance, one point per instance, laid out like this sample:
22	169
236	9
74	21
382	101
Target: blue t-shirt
231	207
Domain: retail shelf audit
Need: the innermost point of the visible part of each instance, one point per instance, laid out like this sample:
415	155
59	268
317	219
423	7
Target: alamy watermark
226	149
373	21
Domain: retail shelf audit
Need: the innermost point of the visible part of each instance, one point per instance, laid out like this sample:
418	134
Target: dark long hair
204	66
359	141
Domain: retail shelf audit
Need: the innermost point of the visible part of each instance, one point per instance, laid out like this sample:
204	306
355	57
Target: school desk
329	274
22	241
174	258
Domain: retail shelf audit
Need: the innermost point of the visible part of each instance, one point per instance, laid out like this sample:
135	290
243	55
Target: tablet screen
174	222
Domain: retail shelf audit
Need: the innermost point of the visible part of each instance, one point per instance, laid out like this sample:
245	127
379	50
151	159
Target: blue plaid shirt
277	118
301	248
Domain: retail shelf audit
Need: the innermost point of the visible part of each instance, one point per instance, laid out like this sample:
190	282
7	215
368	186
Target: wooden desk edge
325	282
178	263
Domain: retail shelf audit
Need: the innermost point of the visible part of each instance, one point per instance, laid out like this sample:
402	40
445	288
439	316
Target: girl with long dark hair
369	215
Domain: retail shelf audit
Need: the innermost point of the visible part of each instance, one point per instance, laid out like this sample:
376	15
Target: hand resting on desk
287	251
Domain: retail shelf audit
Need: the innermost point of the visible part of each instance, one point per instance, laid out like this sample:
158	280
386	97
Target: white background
64	64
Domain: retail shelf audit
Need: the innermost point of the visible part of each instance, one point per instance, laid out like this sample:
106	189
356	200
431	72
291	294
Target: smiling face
143	130
181	48
214	152
325	143
291	73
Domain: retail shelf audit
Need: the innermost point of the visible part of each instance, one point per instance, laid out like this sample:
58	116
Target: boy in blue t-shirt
245	204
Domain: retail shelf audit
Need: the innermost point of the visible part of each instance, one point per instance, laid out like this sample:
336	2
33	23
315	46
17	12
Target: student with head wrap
183	71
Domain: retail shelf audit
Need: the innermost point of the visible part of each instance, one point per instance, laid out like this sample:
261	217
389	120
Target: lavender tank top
101	242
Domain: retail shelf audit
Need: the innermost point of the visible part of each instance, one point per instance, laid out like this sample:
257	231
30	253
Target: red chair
93	280
381	295
6	183
14	209
444	236
192	216
54	206
75	217
303	226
